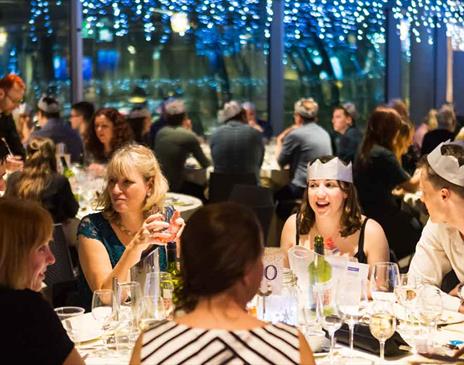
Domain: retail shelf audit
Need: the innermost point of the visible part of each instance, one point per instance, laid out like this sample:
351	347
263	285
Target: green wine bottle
320	270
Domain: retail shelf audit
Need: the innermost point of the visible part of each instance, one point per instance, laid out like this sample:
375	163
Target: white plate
83	328
447	317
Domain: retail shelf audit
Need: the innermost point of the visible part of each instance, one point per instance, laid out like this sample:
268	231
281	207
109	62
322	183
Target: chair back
221	184
259	199
62	270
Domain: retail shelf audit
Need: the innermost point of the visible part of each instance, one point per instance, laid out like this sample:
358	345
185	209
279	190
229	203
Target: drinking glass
152	306
102	310
382	324
68	312
385	277
329	311
429	308
129	311
349	301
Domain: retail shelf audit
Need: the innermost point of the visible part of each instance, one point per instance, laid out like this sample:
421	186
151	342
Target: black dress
31	332
375	179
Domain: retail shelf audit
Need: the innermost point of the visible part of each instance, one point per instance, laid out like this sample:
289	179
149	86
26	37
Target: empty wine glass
349	301
430	308
102	310
385	277
329	311
382	324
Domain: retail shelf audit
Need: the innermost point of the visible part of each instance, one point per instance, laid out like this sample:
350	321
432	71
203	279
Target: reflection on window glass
334	53
34	42
207	52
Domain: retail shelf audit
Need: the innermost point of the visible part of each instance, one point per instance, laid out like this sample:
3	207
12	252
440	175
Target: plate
83	328
447	317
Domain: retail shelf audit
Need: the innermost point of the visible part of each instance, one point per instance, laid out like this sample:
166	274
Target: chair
60	277
221	184
259	199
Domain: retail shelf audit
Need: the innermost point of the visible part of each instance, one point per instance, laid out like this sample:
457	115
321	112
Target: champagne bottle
320	270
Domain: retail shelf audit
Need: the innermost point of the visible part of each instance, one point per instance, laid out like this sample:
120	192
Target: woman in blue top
133	218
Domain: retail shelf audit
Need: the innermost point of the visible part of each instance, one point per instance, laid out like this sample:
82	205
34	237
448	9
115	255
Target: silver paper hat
446	166
174	107
48	104
307	108
334	169
231	109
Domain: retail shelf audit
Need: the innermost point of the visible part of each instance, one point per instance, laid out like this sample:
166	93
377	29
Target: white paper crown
334	169
447	166
307	108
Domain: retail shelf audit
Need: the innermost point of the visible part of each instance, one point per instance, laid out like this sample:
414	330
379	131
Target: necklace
123	228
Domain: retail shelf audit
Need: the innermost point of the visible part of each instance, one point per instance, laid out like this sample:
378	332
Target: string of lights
335	22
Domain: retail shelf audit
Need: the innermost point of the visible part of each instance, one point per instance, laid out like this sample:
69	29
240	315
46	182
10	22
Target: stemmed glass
349	301
385	277
382	324
329	311
102	310
430	308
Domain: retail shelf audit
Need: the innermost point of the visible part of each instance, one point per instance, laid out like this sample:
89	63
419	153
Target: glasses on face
14	101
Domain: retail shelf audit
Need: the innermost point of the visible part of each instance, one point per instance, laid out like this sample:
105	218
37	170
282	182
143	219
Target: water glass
385	277
329	311
382	324
68	312
430	309
129	300
102	310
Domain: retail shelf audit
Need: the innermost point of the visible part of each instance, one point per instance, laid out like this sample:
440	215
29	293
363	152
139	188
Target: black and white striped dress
170	343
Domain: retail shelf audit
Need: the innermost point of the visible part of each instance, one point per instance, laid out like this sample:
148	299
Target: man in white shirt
441	246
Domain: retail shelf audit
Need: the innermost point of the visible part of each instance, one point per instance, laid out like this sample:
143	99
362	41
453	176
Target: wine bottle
320	270
172	262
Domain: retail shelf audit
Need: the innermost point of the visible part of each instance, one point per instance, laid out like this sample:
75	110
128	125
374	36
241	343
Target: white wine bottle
320	270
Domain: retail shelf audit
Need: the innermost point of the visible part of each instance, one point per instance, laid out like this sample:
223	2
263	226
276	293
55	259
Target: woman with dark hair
377	172
107	132
330	208
221	268
81	116
41	182
32	331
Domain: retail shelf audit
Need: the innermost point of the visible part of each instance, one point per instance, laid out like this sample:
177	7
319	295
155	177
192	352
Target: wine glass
430	308
385	277
329	311
349	301
102	310
382	324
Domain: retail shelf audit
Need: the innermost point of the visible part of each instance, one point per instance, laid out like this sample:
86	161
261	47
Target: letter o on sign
270	272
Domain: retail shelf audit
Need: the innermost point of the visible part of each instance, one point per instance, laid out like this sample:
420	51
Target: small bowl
68	312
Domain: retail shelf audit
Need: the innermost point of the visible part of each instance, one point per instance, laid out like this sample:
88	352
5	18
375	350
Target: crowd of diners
346	185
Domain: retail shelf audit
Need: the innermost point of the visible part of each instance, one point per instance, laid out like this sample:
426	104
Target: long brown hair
38	169
122	133
382	127
24	226
350	220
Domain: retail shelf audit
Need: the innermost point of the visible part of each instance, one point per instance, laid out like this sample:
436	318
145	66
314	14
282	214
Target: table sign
273	261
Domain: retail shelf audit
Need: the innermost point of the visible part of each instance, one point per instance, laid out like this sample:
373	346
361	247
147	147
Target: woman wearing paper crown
330	208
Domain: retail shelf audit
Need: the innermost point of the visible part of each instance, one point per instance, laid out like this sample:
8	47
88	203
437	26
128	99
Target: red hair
7	82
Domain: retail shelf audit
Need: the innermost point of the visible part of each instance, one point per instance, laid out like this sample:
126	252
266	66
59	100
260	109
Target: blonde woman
133	218
33	333
41	182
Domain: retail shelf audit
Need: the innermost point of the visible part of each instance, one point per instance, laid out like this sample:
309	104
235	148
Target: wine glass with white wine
382	324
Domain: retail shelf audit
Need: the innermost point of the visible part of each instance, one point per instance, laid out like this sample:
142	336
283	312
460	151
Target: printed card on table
273	261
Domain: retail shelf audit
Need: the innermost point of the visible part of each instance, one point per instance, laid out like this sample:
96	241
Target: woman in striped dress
221	266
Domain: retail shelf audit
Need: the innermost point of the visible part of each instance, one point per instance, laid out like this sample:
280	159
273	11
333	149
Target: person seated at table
376	173
348	137
32	332
174	143
441	245
236	148
132	219
403	140
41	182
81	116
330	208
221	271
140	122
107	132
446	119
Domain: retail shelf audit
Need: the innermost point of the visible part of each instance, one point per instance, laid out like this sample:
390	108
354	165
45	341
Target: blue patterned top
95	226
